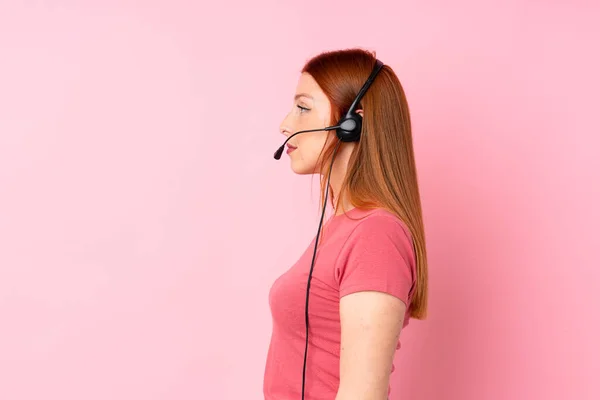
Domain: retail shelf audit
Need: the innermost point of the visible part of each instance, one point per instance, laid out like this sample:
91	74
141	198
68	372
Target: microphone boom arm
279	151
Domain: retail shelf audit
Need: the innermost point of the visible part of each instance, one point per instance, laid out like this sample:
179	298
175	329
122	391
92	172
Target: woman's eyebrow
297	96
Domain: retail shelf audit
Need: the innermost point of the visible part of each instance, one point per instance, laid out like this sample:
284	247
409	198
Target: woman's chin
301	169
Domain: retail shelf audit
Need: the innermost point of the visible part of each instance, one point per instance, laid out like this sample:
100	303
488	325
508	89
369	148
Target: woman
365	272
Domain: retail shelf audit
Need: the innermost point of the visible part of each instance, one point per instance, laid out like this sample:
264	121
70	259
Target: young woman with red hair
367	270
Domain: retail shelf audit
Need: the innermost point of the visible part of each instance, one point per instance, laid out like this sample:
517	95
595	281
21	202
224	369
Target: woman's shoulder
377	254
375	221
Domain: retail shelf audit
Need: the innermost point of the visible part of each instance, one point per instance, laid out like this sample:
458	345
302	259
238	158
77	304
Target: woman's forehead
307	87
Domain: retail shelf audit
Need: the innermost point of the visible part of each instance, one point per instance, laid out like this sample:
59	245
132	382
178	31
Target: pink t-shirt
361	250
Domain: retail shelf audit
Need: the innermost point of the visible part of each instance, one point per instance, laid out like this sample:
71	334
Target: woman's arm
370	327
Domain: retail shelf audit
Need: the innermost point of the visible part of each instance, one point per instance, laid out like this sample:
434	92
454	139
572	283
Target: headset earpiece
350	126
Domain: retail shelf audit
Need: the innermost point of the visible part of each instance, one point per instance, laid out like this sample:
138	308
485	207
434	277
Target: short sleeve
378	256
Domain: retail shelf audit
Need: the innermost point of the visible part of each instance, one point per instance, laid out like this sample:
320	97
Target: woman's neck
338	174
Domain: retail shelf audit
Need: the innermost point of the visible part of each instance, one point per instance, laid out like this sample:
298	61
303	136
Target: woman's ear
360	112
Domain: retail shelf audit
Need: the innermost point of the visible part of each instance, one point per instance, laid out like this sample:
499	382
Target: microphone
279	151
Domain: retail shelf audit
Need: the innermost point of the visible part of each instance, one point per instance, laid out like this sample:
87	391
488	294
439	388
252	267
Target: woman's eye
303	109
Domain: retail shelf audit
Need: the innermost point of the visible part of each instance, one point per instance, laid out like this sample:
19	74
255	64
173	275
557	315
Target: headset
348	129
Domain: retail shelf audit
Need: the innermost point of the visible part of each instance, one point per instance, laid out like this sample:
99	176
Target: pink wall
143	218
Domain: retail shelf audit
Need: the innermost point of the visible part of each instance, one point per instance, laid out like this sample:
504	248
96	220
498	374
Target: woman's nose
284	130
285	126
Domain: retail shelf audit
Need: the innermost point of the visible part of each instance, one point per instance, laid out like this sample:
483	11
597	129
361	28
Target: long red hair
381	172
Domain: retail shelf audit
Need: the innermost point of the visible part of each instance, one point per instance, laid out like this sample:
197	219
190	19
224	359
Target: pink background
143	218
